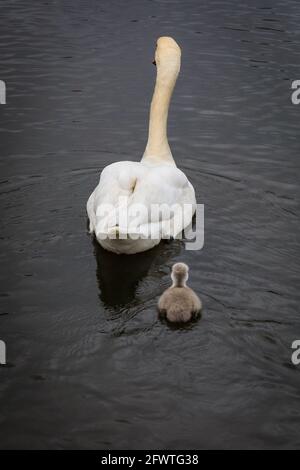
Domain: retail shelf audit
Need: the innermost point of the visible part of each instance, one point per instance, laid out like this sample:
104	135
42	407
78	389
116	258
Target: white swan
128	190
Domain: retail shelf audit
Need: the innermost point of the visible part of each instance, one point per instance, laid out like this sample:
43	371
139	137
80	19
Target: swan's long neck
157	149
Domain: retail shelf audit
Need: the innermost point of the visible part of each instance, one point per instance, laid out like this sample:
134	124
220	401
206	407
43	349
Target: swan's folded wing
110	197
169	200
150	202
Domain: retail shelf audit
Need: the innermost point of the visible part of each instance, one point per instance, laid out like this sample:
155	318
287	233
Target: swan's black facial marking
154	61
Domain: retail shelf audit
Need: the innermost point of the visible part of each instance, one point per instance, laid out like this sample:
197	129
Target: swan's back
125	185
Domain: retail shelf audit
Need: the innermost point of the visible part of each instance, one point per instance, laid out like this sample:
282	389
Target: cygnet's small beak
154	62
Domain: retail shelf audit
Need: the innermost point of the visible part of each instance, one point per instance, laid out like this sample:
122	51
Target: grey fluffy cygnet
179	303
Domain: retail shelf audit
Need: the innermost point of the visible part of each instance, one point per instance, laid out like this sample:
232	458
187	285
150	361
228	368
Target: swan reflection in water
119	276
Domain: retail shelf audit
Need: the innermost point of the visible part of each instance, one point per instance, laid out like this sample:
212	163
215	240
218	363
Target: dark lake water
89	363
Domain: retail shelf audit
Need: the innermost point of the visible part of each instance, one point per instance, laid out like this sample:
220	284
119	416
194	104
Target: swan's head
180	274
167	55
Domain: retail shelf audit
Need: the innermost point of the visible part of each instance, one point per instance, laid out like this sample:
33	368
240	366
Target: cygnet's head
180	274
167	55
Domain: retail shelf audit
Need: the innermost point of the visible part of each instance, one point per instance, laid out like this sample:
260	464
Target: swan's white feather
138	183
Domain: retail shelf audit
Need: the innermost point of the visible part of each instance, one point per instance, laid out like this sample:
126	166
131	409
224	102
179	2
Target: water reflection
119	276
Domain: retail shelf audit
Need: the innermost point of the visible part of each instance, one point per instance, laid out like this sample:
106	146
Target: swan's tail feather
120	233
